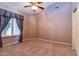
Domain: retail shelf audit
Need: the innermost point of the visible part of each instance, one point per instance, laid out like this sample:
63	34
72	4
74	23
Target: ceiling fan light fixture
34	7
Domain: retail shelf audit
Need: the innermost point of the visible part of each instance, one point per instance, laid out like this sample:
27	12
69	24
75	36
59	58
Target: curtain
0	34
20	26
5	17
4	20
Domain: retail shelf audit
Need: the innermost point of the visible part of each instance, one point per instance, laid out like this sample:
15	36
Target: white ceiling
20	6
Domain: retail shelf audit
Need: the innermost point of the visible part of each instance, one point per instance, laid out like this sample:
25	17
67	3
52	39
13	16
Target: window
11	28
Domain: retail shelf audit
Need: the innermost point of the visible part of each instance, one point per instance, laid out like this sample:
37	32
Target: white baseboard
39	39
51	41
48	41
56	42
29	39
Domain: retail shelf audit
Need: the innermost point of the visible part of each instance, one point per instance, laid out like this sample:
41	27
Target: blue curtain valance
6	13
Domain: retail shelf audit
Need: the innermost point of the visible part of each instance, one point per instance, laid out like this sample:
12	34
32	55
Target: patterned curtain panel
20	26
5	17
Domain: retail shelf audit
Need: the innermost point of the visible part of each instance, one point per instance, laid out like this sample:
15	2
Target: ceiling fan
35	5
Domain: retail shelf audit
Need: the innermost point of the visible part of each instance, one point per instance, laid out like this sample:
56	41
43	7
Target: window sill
9	36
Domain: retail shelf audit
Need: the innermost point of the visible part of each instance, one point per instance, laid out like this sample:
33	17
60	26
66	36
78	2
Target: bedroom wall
32	26
56	23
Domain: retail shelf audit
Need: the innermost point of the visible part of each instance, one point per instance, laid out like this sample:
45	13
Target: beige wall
56	25
32	26
25	27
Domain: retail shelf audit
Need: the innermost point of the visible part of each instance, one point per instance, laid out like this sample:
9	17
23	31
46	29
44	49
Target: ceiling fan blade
39	2
28	6
41	7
